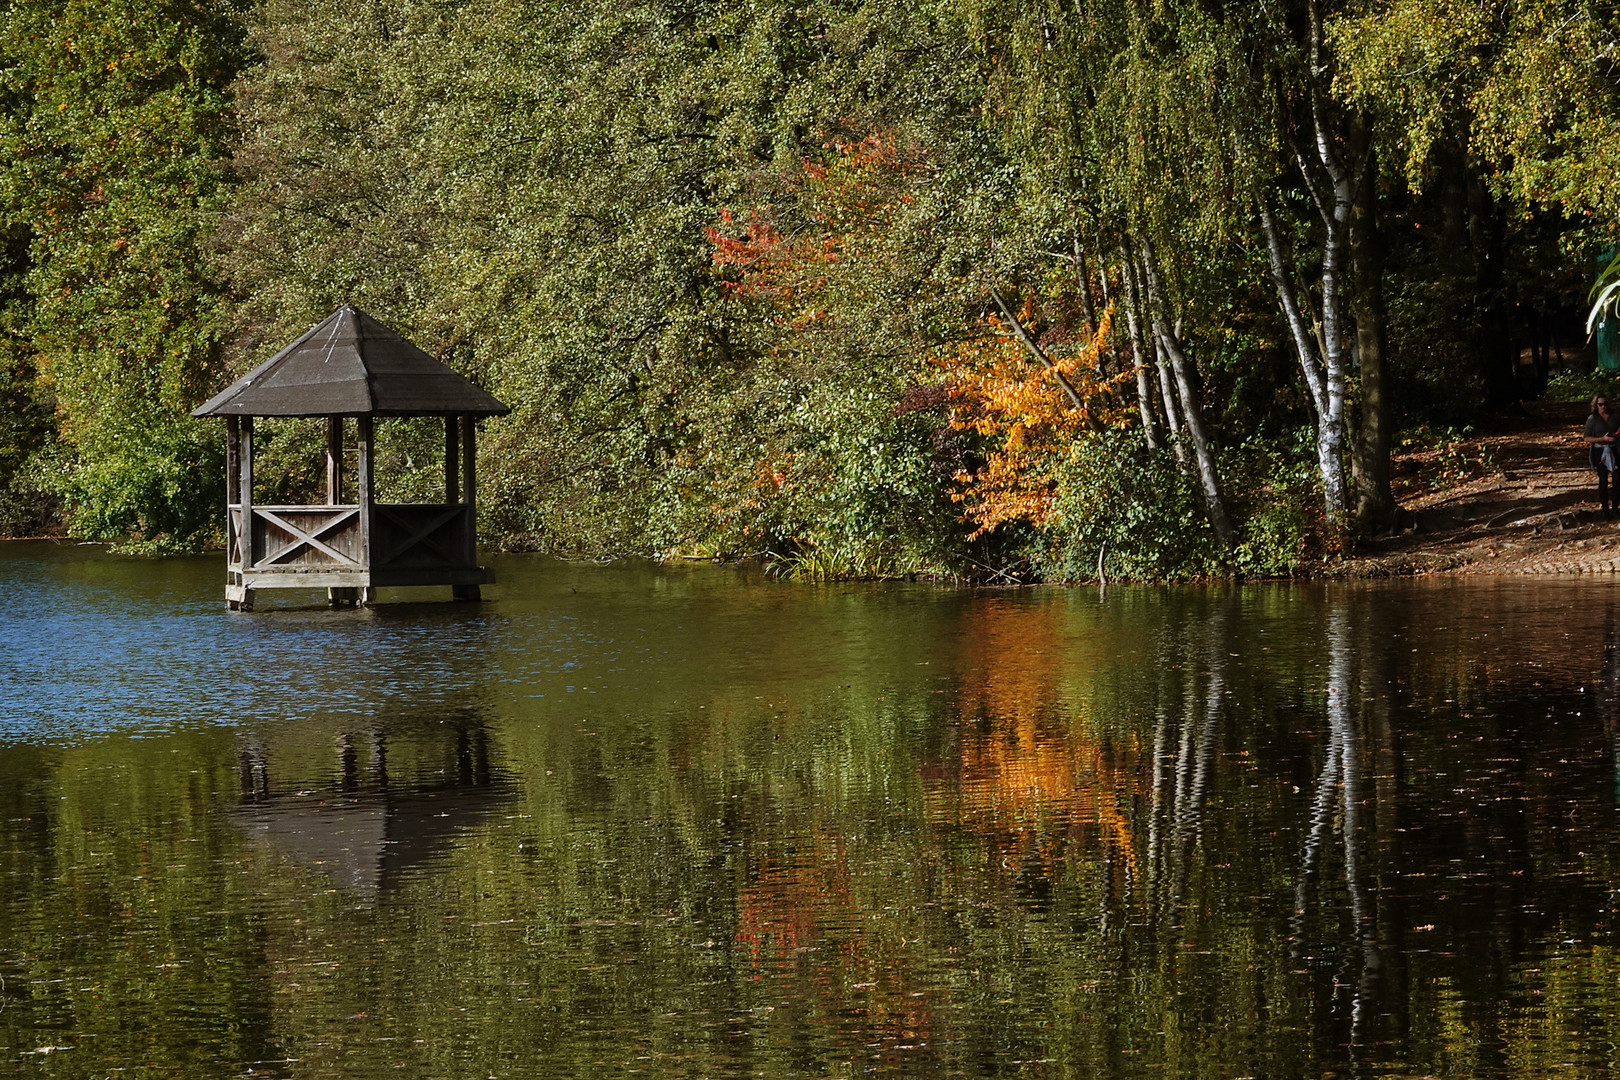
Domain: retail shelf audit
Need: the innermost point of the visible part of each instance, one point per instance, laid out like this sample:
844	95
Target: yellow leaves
1001	392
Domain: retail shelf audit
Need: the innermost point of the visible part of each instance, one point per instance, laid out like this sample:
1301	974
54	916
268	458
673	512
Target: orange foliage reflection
798	917
1036	779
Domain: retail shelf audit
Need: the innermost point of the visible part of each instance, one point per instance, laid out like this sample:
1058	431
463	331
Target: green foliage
1143	513
1579	385
541	227
27	422
26	428
533	193
1432	324
1524	83
115	119
156	480
1456	454
1277	494
1462	458
840	486
289	459
868	497
1140	512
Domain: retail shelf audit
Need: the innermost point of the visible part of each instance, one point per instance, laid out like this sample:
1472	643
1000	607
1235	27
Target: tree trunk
1305	343
1194	415
1369	461
1082	275
1103	373
1333	365
1144	392
1167	392
1329	421
1321	354
1161	365
1022	337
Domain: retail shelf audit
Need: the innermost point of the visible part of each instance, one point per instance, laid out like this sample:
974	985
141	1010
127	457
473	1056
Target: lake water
628	821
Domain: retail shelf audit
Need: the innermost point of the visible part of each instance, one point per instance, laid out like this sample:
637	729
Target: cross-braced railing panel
233	536
300	537
421	535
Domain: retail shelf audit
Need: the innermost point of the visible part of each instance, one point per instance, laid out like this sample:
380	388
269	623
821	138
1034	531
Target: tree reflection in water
1269	831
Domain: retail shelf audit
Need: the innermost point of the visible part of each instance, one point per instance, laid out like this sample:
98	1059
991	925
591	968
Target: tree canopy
957	286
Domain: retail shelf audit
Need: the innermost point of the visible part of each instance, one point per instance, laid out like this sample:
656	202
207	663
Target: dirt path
1518	500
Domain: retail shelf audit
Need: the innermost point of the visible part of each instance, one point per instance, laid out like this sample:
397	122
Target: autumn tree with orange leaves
853	469
1025	387
1025	412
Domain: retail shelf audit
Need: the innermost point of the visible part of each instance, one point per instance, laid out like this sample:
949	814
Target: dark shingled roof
351	365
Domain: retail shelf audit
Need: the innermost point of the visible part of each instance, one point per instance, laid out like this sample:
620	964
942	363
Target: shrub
156	481
1276	494
1139	514
1143	514
1582	386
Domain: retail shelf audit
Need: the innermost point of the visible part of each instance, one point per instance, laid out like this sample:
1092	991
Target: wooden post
469	481
233	487
334	460
469	499
334	495
365	496
452	469
233	450
244	483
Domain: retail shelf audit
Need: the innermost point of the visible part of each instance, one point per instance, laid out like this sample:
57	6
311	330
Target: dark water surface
627	821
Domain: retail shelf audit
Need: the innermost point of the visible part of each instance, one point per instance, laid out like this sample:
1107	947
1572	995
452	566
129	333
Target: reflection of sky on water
98	643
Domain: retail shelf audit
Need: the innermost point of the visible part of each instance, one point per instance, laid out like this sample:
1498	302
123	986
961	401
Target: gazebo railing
300	538
409	536
331	539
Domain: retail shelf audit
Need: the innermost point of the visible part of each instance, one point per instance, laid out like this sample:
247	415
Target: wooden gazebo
350	365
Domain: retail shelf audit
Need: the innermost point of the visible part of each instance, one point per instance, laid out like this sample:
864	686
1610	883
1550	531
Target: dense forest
1000	290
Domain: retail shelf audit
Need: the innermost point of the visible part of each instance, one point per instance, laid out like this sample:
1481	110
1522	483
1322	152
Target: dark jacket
1596	426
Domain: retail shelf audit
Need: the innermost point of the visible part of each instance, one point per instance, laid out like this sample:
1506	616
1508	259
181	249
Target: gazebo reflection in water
350	366
363	826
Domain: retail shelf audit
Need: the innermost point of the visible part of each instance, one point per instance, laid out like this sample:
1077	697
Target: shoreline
1515	500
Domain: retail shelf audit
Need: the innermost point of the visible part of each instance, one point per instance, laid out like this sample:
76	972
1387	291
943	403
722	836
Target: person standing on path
1600	449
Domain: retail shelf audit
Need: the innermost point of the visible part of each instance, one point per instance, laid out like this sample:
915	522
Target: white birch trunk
1167	391
1208	477
1324	381
1144	392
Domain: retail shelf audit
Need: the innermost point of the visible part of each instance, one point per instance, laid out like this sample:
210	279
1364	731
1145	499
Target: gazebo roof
350	364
